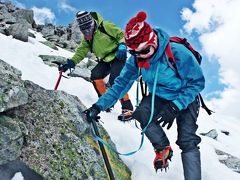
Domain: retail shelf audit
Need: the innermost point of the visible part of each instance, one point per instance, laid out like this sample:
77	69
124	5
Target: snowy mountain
216	164
25	57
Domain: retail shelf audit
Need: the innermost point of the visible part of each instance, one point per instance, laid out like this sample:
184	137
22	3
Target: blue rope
144	130
137	92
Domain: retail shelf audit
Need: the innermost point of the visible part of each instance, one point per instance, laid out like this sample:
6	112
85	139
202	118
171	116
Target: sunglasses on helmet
143	51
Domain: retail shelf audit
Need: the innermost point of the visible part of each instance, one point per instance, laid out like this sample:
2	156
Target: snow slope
126	136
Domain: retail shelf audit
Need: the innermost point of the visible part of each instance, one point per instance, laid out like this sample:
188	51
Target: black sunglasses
143	51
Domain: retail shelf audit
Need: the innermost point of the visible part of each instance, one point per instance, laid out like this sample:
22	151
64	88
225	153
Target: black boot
127	111
191	165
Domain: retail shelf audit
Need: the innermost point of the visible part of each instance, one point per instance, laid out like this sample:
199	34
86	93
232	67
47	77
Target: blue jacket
181	88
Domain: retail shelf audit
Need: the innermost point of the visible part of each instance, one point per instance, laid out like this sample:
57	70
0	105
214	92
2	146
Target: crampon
126	115
162	157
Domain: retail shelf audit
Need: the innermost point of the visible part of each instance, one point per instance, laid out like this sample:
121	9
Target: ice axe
104	154
60	73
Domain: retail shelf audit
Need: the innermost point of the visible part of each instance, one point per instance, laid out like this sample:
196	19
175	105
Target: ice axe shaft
58	81
104	154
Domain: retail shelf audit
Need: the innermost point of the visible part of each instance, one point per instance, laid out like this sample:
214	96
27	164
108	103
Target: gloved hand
122	51
68	65
92	113
167	115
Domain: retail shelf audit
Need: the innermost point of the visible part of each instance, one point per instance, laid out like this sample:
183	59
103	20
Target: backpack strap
170	58
103	30
187	45
172	63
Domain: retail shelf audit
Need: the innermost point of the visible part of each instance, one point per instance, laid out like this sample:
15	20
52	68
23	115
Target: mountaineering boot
162	157
127	109
126	115
191	165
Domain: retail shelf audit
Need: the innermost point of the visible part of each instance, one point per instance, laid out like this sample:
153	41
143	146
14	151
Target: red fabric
143	64
138	31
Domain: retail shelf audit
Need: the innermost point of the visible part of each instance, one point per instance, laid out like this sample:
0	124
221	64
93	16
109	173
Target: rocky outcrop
49	133
16	22
64	37
230	161
82	69
12	91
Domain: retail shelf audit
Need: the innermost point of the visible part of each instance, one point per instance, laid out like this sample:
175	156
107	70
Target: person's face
88	31
143	53
88	35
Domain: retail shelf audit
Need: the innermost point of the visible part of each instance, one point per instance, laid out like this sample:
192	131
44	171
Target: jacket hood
97	17
163	39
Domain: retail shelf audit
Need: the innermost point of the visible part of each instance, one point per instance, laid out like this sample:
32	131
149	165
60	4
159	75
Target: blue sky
164	14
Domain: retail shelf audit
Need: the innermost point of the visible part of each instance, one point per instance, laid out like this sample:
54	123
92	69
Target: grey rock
76	34
24	14
19	31
12	91
212	134
11	139
49	59
9	169
56	140
225	132
50	44
48	30
31	35
229	160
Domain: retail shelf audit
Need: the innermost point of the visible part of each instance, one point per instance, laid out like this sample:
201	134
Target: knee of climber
142	116
188	146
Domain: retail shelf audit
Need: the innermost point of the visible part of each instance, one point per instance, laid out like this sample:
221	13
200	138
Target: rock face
230	161
16	22
12	91
48	132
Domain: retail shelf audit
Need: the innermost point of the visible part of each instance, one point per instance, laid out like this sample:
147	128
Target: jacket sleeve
114	31
191	74
81	52
121	85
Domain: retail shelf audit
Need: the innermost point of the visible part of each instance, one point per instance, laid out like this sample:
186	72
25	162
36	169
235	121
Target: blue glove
122	51
92	113
167	115
68	65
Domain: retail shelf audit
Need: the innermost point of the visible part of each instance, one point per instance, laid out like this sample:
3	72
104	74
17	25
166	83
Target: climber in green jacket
106	41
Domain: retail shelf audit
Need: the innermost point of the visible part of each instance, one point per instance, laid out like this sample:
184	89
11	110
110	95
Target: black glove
92	113
167	115
68	65
122	51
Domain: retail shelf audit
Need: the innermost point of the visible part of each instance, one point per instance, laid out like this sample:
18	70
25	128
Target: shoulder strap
188	46
170	58
172	63
103	30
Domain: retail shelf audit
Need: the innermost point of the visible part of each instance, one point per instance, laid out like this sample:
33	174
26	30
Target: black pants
186	123
102	69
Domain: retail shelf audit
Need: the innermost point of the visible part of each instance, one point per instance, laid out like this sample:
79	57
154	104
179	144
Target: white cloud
63	5
217	22
43	15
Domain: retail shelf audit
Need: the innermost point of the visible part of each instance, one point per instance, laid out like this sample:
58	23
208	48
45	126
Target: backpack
102	29
172	63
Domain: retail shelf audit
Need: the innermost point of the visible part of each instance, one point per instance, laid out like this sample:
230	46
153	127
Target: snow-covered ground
24	56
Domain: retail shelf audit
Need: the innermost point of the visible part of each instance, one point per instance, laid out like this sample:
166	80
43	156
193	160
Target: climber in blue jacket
176	93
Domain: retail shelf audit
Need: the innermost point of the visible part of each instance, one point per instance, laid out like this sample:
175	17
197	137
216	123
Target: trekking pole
104	154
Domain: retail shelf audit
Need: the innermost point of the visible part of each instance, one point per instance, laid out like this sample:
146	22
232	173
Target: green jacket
102	44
